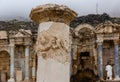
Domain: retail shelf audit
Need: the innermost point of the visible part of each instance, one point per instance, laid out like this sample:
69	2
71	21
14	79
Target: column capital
116	41
99	42
12	45
27	45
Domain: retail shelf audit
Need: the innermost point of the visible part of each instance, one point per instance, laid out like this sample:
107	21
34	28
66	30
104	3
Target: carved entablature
107	27
107	31
21	37
84	32
3	38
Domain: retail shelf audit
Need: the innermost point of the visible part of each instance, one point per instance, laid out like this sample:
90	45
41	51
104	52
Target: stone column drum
27	62
100	62
116	59
12	66
53	42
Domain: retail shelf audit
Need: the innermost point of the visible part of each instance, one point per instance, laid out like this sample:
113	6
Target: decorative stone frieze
107	27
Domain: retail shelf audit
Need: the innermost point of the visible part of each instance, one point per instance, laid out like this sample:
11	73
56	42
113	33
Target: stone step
110	81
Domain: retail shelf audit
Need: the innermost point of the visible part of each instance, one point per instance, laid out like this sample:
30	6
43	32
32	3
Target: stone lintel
52	12
116	41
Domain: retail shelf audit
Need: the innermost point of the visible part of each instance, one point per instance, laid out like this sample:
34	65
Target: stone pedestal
33	74
3	77
53	42
19	75
11	80
52	71
54	56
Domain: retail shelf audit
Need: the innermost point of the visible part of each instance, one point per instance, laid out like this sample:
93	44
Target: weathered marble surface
19	76
52	71
52	12
53	49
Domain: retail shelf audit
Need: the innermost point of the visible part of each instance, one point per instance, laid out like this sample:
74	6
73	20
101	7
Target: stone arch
5	50
82	26
4	65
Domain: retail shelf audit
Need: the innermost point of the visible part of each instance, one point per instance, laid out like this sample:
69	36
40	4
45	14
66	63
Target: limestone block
3	76
19	75
52	71
11	80
53	49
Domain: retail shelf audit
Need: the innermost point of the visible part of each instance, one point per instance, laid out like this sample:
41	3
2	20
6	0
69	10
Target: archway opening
108	55
84	60
4	66
85	72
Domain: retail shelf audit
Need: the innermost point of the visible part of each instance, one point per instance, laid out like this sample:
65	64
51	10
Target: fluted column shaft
12	65
116	59
100	61
27	62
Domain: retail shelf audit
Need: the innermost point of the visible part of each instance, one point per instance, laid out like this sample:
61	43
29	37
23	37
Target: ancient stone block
53	49
3	77
19	75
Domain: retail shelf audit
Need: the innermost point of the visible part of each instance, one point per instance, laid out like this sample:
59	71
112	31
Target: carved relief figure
50	46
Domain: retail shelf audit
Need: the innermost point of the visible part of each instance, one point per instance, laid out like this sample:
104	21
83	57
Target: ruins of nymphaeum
65	48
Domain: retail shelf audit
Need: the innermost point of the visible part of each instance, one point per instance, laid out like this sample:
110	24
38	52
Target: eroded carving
51	46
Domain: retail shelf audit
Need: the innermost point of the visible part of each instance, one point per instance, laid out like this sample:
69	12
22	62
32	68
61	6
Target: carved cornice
107	27
52	12
116	41
99	41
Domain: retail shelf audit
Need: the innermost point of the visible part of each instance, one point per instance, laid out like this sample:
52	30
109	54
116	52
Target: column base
33	79
117	78
101	78
27	80
11	80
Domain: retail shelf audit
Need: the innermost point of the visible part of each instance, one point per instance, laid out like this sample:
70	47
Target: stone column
100	61
26	62
34	69
53	42
12	65
95	57
116	59
71	58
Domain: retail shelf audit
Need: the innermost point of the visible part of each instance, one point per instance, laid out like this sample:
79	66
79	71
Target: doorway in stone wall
108	54
4	66
85	72
85	61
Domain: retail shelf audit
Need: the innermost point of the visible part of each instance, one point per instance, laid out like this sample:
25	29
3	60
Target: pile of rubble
93	19
15	25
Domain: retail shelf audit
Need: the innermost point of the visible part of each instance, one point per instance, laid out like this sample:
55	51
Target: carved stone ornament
107	27
51	46
52	12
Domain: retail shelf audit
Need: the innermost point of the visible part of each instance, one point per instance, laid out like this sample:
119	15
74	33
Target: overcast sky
22	8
